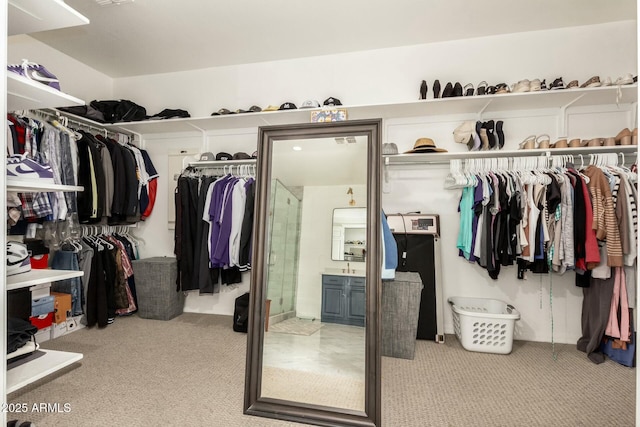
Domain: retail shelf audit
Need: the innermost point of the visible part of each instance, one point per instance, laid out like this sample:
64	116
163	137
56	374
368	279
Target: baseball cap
310	104
207	156
255	109
241	156
271	108
254	155
332	101
288	106
224	156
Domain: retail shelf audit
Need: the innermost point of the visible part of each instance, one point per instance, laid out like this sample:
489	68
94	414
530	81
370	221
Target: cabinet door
356	308
333	303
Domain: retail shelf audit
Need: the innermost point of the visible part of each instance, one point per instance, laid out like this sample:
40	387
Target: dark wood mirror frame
306	413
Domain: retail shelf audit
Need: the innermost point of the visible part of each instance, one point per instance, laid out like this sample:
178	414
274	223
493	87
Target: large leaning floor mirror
313	350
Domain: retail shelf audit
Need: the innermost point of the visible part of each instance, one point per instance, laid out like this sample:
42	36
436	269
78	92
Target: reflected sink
343	272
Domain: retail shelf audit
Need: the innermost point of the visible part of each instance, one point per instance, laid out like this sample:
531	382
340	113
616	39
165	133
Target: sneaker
38	73
22	168
557	84
17	258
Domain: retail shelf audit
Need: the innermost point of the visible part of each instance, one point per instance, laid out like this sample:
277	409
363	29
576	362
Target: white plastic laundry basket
484	325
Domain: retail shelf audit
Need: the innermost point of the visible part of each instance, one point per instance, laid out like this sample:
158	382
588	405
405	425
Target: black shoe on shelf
490	126
448	91
457	89
468	89
436	89
423	90
500	134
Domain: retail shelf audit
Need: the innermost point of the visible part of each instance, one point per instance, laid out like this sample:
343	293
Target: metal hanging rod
60	115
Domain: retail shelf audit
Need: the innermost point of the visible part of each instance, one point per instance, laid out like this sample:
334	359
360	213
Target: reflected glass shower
283	258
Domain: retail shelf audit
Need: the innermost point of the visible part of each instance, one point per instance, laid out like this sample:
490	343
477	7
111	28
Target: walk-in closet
276	214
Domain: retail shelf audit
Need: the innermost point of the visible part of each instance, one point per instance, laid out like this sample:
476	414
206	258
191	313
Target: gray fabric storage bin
156	288
400	311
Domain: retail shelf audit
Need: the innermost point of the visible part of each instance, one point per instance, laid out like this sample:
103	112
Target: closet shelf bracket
562	126
203	147
483	109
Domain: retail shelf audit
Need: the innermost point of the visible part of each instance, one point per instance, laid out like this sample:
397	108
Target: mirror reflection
349	234
314	342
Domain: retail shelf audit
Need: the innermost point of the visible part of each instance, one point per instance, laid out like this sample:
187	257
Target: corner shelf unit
24	17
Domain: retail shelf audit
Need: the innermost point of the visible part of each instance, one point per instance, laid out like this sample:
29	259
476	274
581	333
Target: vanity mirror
349	234
313	353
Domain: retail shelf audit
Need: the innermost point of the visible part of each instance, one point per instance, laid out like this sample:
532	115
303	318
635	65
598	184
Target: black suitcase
241	313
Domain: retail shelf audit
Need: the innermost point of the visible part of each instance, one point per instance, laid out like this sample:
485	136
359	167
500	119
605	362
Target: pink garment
619	298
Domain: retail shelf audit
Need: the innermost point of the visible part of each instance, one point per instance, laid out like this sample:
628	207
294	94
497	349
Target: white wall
318	203
390	75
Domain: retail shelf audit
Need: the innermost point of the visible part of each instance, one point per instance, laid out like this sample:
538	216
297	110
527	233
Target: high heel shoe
624	137
543	141
593	142
482	88
609	142
500	134
484	138
561	143
634	137
423	90
528	143
457	89
448	91
489	126
468	89
575	143
436	89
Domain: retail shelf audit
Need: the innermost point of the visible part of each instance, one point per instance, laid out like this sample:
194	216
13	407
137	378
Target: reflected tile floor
335	349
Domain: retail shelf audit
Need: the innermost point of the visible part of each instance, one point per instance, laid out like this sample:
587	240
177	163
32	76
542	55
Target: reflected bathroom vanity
343	299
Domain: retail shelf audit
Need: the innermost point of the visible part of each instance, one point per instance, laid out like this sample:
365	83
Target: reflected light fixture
351	202
297	148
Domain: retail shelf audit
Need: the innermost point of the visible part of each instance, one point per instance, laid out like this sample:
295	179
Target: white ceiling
159	36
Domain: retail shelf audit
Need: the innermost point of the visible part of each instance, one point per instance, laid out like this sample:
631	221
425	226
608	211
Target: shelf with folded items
38	277
32	186
28	16
26	94
47	363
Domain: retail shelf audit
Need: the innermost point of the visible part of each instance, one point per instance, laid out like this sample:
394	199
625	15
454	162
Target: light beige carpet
190	372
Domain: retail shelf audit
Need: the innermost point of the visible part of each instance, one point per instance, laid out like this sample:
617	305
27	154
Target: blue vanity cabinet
343	299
